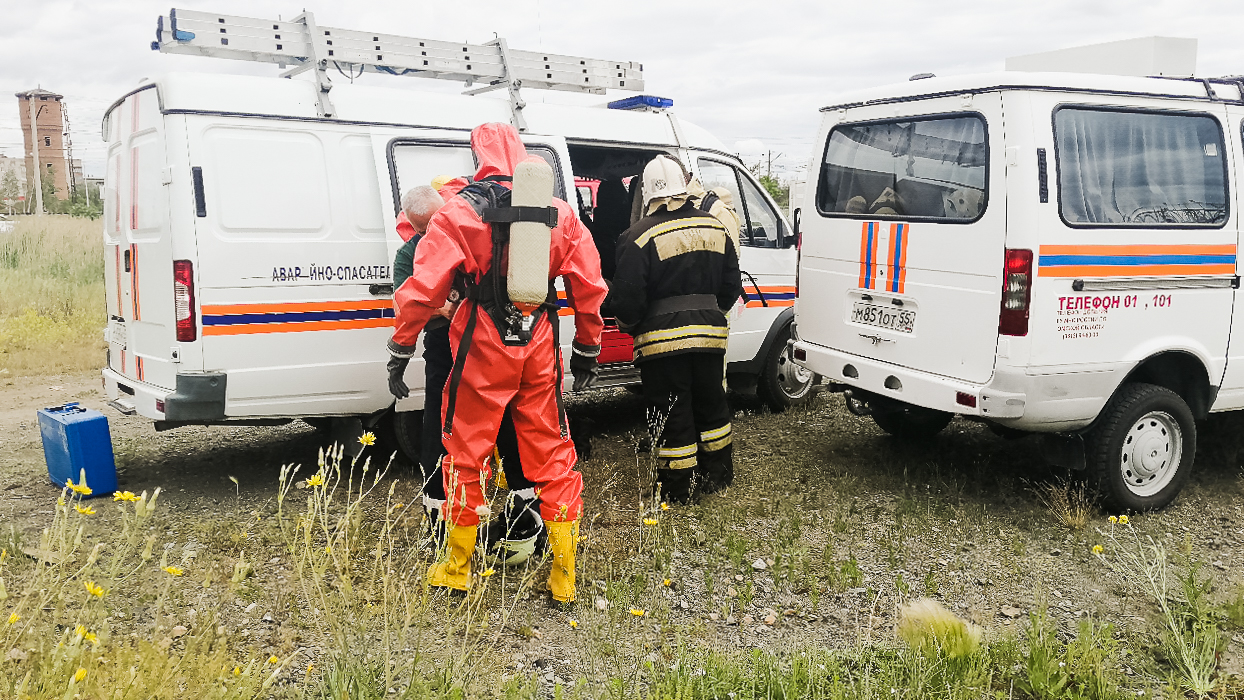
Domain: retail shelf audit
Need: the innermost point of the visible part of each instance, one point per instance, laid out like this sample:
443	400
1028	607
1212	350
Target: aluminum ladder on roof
304	45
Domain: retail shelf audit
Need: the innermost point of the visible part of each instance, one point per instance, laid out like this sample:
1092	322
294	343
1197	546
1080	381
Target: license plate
888	317
116	333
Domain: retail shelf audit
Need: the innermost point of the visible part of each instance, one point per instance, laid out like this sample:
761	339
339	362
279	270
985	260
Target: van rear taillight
1016	292
183	301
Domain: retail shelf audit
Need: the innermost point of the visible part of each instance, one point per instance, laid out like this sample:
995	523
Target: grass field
52	311
841	564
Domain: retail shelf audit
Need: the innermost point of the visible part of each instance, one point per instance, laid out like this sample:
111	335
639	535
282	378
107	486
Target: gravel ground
829	526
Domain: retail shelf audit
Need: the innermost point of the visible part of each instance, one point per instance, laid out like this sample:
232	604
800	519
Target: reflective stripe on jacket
671	256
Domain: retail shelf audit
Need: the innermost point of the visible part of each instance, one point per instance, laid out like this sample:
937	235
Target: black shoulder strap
706	204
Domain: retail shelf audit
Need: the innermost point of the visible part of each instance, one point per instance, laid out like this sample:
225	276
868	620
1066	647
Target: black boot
518	534
679	486
716	469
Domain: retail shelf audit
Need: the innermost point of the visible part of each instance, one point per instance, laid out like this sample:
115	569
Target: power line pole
34	141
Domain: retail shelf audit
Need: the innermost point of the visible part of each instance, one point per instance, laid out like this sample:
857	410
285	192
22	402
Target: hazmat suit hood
497	148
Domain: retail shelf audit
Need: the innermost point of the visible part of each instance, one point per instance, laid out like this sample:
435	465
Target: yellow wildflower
1113	520
650	521
93	589
85	510
4	554
90	637
317	480
637	612
1122	519
666	583
80	630
81	489
328	549
310	667
367	439
174	570
80	675
273	660
488	573
237	670
1098	549
574	624
124	496
13	618
665	506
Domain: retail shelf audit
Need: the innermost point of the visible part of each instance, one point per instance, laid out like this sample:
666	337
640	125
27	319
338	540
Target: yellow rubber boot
455	571
563	540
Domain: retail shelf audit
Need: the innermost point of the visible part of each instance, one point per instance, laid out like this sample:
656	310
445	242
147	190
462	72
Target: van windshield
913	169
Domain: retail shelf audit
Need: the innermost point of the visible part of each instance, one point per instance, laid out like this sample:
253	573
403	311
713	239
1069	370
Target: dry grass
1069	503
52	296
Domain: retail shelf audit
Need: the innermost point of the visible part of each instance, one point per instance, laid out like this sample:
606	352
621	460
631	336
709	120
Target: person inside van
611	218
518	529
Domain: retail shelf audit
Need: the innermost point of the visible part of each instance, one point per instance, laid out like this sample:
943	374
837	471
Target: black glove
397	382
583	368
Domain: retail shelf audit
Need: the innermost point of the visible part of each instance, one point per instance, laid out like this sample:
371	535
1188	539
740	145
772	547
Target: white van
250	241
1047	252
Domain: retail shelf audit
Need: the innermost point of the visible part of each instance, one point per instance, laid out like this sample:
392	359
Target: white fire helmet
663	178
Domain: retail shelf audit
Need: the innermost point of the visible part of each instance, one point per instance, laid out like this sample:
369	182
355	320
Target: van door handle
126	258
380	290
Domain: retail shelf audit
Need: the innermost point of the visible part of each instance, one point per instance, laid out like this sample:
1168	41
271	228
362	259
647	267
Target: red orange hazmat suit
494	375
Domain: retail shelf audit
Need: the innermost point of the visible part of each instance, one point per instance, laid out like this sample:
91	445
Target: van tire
911	422
782	383
1142	418
407	432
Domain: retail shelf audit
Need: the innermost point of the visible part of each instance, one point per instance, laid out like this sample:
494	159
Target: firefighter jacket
720	204
459	242
677	277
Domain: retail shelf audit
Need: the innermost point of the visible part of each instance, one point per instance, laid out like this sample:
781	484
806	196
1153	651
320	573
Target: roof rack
303	45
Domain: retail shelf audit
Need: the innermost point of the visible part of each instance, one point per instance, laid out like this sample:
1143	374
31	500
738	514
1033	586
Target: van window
931	169
417	163
1140	169
763	227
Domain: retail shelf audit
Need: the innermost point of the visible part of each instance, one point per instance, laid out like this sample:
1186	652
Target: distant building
50	130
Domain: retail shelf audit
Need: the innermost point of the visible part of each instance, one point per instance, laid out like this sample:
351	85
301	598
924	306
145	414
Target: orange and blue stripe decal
1136	260
295	317
772	296
883	256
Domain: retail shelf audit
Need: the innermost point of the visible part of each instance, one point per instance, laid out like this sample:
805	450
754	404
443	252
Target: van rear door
902	257
138	244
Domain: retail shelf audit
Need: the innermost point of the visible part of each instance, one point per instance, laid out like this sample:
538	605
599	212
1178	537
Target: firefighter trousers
525	378
693	448
438	360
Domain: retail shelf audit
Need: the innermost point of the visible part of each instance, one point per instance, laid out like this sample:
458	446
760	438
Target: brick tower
50	128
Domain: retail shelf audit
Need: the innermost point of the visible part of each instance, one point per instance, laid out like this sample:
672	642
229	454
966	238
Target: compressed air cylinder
528	279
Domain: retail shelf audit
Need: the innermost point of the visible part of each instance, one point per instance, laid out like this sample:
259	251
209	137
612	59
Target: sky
754	74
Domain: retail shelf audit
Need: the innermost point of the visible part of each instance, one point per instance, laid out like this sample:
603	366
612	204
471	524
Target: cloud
745	72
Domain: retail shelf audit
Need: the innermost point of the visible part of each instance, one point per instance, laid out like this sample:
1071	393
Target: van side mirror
796	217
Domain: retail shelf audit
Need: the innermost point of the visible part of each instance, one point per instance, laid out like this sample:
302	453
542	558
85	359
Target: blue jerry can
77	443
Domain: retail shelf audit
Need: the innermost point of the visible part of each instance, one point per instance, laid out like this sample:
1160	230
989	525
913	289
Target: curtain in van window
911	169
1139	168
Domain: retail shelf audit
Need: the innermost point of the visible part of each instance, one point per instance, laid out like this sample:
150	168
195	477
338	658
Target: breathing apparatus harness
491	201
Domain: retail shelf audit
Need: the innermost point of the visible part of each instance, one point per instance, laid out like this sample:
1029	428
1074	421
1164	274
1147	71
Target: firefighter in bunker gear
518	530
677	277
494	364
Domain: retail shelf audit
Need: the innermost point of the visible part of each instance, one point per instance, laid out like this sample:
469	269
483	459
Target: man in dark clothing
677	276
518	529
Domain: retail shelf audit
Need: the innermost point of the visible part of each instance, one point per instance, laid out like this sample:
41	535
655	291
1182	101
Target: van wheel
1140	453
783	383
408	433
911	422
